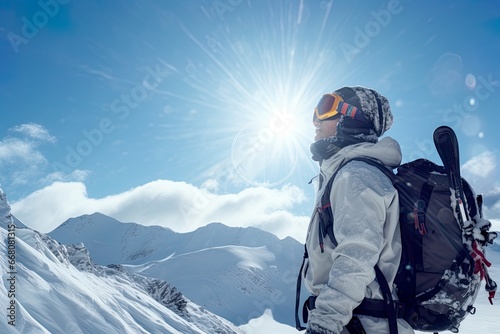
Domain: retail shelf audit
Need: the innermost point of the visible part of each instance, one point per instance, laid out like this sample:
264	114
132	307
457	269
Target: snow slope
58	289
236	282
236	273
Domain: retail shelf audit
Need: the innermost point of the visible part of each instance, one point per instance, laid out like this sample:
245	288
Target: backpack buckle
419	216
400	309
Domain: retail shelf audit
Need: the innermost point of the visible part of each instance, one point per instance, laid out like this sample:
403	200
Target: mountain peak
88	220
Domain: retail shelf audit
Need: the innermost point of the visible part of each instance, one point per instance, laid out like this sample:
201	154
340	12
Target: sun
282	124
267	149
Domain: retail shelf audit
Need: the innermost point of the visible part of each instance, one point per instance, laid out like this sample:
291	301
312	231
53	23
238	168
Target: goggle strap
347	109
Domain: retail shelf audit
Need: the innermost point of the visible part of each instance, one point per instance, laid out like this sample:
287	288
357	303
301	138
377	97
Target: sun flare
266	90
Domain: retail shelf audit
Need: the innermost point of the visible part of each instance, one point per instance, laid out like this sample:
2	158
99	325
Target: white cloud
177	205
495	225
78	175
481	165
210	185
20	158
14	150
482	174
34	131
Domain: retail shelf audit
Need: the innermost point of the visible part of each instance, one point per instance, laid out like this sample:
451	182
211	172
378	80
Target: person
365	206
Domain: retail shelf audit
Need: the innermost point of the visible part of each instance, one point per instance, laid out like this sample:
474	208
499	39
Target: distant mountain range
236	273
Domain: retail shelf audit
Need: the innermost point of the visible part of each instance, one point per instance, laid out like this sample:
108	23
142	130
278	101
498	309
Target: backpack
442	262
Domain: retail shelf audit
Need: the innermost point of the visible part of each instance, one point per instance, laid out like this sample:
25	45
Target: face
325	129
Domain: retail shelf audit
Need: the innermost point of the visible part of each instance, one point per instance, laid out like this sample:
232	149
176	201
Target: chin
319	137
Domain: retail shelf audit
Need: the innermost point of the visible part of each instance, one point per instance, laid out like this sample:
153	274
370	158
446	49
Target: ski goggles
331	106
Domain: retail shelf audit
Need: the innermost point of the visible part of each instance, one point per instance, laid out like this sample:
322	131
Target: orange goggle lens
331	105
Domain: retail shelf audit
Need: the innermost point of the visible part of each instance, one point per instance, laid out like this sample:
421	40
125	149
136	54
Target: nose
316	122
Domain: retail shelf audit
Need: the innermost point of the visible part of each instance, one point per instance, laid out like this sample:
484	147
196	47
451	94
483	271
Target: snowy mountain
112	241
54	288
236	273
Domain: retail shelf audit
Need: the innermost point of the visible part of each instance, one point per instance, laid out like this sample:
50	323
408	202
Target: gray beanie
376	121
372	105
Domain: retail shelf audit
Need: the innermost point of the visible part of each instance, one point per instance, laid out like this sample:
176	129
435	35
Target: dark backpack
442	264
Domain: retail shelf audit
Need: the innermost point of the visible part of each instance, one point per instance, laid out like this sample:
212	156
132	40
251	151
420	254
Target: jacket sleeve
360	197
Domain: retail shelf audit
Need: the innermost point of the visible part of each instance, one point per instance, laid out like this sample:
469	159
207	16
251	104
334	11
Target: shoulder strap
377	164
298	325
325	212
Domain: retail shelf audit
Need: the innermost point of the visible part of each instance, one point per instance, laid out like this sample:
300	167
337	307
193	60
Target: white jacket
365	206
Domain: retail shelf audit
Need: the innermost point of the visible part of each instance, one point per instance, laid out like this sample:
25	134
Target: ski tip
443	129
443	134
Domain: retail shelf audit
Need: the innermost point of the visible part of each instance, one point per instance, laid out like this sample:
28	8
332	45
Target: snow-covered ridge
78	256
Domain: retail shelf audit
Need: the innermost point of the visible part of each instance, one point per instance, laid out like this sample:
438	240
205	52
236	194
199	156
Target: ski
446	144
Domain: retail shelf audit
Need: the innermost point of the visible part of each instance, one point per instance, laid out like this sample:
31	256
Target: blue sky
179	113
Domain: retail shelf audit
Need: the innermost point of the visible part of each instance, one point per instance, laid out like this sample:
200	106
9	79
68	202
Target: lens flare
265	79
